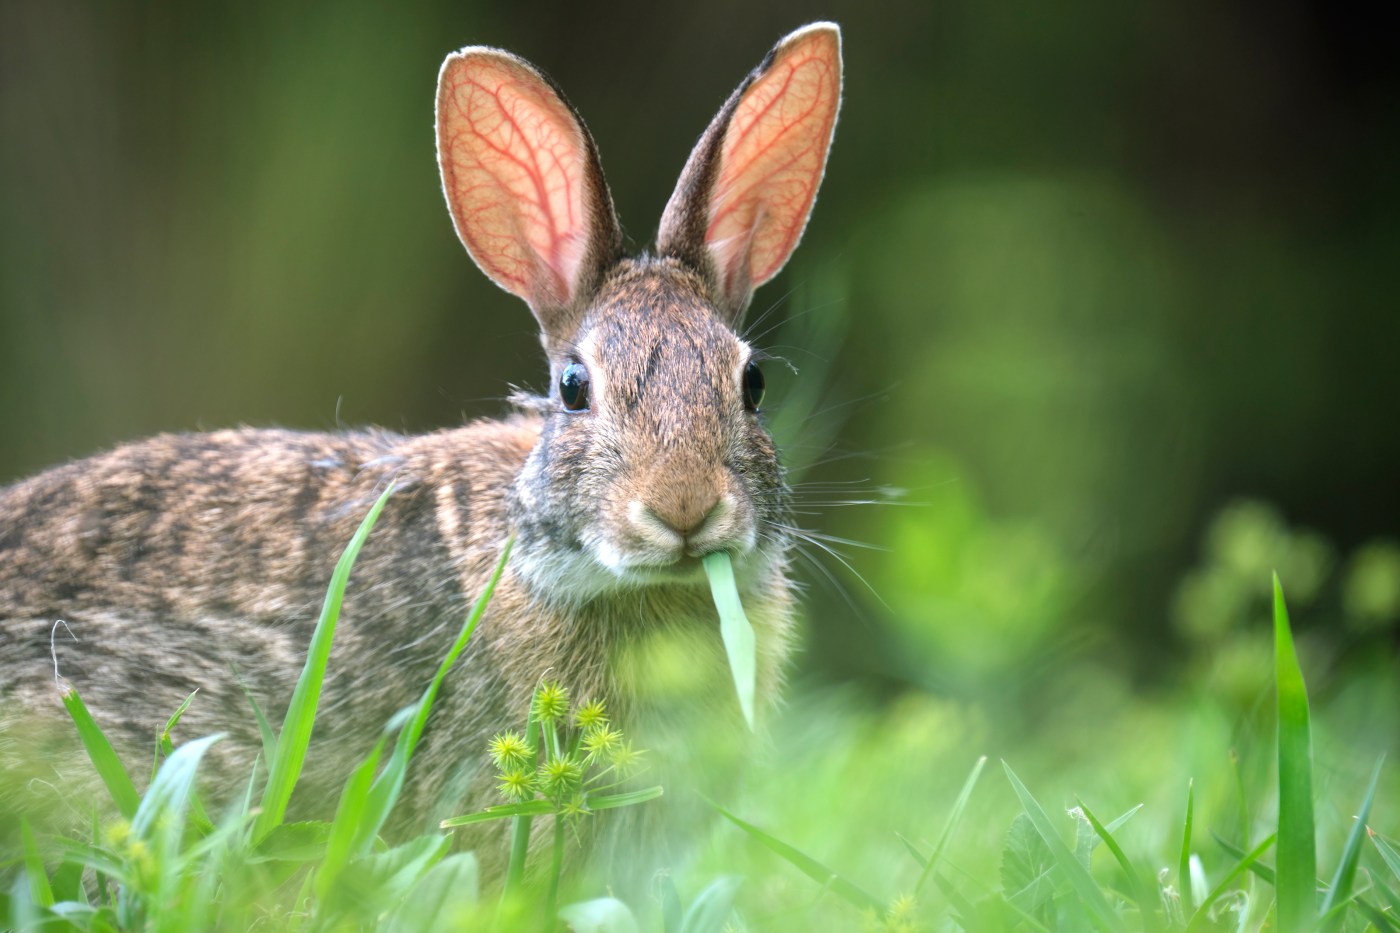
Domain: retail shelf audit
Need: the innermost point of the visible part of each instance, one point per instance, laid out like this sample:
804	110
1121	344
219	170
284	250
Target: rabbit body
199	562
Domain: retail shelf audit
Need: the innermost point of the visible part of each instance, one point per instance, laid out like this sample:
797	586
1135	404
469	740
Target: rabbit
198	562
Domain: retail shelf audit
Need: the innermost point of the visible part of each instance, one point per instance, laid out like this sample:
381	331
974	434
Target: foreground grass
861	817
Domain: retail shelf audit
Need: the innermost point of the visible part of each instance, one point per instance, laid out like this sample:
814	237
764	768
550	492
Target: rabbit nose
686	512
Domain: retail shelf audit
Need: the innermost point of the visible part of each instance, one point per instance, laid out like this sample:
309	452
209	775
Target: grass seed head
561	776
590	716
516	785
509	750
551	702
599	744
626	758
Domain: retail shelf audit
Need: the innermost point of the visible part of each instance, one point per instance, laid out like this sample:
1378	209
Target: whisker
748	328
817	536
830	578
820	306
812	539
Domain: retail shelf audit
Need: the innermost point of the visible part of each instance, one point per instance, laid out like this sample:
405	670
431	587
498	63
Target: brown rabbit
199	561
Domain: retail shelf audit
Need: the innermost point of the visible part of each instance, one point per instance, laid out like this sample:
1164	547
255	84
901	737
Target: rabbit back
199	562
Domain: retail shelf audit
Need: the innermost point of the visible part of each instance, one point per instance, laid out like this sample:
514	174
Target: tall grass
156	859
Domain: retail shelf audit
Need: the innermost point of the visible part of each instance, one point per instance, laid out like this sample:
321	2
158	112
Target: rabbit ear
743	199
523	183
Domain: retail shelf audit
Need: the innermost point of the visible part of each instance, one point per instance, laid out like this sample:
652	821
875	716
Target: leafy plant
562	766
1049	883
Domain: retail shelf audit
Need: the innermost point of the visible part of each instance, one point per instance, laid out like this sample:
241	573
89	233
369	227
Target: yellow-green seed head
561	776
625	758
117	833
591	715
599	744
516	785
551	702
509	751
901	915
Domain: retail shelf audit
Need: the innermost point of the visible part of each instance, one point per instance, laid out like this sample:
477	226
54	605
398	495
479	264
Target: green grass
830	831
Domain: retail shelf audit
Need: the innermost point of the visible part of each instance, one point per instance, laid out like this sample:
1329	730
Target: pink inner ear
773	157
513	162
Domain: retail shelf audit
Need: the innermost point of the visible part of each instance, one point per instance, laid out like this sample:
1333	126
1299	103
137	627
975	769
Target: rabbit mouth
656	566
651	568
685	569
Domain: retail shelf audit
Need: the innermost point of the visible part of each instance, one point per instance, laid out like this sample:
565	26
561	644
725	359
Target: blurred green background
1104	292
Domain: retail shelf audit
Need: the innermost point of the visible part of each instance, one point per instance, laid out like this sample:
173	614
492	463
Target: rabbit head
652	452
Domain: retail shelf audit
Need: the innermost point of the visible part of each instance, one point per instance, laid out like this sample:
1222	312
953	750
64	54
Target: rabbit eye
573	387
753	386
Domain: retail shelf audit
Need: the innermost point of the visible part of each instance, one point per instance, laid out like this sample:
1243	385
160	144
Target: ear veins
514	146
777	155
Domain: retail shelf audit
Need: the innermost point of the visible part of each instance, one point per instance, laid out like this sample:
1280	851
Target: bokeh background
1097	310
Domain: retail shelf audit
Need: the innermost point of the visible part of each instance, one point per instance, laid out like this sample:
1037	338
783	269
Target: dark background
1081	275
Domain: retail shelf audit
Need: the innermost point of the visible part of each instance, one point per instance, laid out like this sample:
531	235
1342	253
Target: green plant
1004	858
162	864
1049	883
558	771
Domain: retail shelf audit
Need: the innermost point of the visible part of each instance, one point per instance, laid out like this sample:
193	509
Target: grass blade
734	628
1115	824
164	744
1143	893
809	866
1381	921
1296	888
387	787
39	890
349	817
162	809
1389	895
1389	854
954	816
1183	870
500	812
285	767
104	757
520	826
912	849
269	739
1351	852
1079	877
612	801
1202	914
1266	874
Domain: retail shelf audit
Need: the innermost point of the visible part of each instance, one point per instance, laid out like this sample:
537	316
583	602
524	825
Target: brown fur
199	562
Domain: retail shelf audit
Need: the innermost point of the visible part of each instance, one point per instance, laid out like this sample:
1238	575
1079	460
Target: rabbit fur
198	562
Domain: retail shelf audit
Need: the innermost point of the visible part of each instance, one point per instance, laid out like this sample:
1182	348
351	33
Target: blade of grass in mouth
734	628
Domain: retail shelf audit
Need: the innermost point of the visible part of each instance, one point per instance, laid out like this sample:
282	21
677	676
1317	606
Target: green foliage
103	756
290	752
1297	846
552	771
1050	884
734	628
1353	599
837	845
161	864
